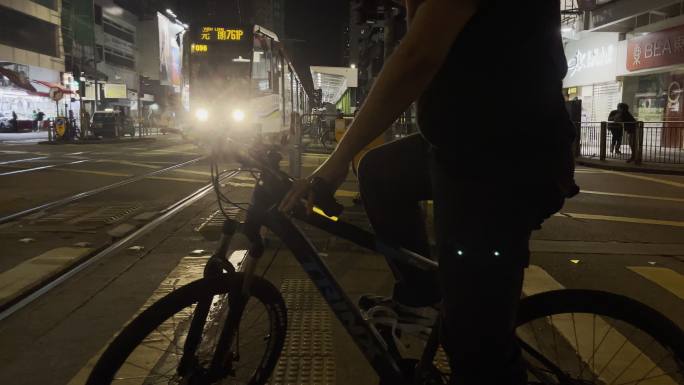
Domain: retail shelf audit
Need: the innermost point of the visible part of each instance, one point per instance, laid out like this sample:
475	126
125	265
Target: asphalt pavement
624	234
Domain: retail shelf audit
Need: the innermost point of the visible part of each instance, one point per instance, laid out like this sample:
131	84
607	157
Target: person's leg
481	267
393	179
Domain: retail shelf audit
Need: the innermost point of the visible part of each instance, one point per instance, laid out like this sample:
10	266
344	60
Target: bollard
602	143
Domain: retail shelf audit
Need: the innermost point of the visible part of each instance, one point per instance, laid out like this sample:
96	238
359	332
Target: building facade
627	51
31	56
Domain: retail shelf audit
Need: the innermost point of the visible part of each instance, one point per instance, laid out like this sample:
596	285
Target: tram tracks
77	197
38	289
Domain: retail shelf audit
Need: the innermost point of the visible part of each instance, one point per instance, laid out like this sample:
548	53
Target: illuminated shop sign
211	34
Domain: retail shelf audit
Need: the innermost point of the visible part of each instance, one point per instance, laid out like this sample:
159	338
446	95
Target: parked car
111	124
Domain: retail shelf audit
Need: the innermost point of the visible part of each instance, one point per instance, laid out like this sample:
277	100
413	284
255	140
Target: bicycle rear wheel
593	337
150	349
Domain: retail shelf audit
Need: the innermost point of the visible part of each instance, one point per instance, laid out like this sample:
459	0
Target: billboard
170	52
115	91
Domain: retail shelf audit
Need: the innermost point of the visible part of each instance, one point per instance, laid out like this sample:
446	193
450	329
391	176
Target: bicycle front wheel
153	348
593	337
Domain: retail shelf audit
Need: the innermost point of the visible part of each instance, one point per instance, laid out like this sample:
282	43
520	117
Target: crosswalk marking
28	274
668	279
611	218
579	331
189	269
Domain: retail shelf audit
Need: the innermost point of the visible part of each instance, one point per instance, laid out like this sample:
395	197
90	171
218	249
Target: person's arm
411	8
408	71
405	75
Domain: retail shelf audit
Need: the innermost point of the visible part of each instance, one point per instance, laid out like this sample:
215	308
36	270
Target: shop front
23	90
592	74
653	76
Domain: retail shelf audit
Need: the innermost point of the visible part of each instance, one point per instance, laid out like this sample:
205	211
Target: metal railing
641	142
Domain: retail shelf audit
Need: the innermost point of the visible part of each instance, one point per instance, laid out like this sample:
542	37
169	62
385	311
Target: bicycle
199	334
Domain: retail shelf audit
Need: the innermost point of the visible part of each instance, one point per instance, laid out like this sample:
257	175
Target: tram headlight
238	115
202	114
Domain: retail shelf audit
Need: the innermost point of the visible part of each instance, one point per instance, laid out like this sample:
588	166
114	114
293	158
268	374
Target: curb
630	168
100	141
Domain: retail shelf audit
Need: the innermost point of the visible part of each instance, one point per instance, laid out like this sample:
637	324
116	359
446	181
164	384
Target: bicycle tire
621	309
133	335
623	313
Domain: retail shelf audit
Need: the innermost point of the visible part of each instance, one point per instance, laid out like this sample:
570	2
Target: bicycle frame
263	212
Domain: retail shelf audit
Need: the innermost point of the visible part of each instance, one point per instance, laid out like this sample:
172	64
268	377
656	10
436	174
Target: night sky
320	24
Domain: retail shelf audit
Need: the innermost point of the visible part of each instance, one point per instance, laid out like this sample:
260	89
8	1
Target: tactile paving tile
109	214
308	356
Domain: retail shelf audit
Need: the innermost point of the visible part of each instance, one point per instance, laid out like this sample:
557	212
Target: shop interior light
566	29
353	65
170	13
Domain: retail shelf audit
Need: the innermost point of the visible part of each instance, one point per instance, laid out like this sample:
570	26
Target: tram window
261	65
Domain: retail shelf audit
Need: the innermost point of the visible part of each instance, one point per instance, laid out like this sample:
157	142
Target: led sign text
221	34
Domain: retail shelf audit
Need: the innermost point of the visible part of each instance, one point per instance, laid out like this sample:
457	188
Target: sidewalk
23	137
621	165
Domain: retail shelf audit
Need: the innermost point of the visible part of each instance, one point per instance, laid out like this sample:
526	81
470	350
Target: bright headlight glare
202	114
238	115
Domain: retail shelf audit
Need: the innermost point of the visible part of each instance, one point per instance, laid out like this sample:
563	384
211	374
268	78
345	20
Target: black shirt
497	97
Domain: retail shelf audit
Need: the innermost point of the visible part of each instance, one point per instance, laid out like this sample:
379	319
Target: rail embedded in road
85	194
13	305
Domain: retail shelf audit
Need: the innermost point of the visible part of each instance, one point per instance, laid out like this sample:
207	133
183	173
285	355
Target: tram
242	83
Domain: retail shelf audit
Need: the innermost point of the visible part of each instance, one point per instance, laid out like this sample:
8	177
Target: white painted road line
668	279
616	352
28	274
651	197
189	269
23	160
611	218
42	168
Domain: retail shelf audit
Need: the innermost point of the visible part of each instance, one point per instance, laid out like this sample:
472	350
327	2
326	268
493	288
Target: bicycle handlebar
266	160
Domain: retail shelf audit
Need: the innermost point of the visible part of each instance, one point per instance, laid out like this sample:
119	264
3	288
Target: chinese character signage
591	60
658	49
219	34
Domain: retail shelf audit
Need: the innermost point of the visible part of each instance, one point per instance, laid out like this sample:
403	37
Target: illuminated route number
221	34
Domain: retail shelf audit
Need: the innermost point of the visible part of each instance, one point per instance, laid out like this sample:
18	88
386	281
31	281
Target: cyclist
492	181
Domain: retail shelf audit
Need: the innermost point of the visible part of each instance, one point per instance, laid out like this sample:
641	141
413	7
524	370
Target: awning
334	81
54	85
18	79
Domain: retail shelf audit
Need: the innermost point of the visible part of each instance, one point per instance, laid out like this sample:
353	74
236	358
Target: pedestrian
628	125
34	117
41	116
14	122
616	132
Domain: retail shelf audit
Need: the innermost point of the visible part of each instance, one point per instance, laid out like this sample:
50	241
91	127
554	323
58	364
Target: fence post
578	139
296	148
604	137
639	143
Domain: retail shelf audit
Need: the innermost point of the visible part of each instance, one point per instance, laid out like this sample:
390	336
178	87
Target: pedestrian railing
640	142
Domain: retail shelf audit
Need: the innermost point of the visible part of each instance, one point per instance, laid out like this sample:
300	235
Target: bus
242	84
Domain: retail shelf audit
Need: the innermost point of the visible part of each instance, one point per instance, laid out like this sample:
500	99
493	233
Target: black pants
616	142
482	252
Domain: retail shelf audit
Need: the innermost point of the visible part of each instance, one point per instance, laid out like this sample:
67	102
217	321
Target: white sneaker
407	319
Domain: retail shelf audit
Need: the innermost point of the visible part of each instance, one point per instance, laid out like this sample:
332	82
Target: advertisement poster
170	52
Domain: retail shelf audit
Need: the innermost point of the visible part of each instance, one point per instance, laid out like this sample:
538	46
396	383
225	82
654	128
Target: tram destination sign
220	34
